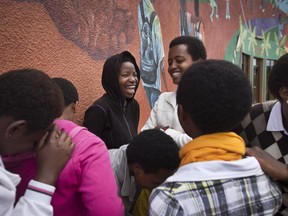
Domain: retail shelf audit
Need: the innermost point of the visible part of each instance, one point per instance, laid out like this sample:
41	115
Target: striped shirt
252	194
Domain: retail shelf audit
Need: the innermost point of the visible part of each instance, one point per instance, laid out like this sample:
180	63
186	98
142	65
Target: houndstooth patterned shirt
253	130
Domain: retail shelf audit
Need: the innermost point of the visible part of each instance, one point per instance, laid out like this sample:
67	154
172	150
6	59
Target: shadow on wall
100	27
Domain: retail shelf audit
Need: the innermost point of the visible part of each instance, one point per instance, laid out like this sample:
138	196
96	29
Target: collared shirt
275	122
36	200
221	192
164	113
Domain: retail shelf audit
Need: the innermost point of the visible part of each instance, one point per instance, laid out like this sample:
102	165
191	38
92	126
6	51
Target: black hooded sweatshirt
110	117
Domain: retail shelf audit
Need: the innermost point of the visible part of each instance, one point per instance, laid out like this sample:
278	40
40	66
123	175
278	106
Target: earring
10	135
287	101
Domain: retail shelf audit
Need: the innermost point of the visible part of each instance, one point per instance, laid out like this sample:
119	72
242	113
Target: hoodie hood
110	74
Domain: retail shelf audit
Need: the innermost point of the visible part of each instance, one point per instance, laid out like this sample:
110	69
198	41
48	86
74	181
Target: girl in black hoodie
114	117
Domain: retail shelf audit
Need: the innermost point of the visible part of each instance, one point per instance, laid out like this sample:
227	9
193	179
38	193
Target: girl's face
178	61
128	79
15	138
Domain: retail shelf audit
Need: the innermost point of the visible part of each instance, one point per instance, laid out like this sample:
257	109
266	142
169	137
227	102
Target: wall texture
72	39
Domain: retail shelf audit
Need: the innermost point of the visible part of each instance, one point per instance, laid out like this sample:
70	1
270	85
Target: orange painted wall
30	37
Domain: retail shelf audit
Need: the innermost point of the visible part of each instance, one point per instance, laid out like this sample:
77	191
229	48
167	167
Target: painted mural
151	51
191	23
260	37
100	27
72	38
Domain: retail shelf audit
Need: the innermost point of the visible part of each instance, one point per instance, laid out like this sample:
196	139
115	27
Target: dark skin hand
160	127
52	153
269	165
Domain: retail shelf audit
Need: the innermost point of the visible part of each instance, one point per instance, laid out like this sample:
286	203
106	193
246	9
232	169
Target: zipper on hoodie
127	122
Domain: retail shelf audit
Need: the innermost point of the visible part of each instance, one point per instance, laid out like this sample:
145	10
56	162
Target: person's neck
284	112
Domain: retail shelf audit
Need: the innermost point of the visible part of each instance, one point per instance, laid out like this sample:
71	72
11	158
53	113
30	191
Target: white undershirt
275	121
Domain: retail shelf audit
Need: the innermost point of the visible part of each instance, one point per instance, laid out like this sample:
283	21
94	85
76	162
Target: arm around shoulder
180	138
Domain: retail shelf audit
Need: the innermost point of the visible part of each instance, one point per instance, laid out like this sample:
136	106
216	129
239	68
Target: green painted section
231	54
266	47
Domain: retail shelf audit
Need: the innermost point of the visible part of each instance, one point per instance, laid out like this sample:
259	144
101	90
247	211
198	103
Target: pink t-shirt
86	186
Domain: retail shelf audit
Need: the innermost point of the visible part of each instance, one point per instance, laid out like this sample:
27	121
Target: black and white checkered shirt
253	130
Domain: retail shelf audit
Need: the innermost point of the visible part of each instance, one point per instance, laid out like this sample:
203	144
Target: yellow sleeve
141	205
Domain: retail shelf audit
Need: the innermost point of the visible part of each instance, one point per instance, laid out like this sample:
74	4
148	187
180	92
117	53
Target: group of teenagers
204	150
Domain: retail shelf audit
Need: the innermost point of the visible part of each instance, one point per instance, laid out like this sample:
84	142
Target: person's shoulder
118	154
166	95
134	102
103	100
87	143
101	103
65	124
261	108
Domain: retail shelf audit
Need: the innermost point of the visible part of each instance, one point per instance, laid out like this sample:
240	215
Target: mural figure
185	24
214	7
251	6
275	6
283	6
262	5
190	25
99	27
151	51
227	16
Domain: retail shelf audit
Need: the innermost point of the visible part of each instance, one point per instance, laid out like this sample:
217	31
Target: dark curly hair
216	94
31	95
278	76
195	46
153	150
69	91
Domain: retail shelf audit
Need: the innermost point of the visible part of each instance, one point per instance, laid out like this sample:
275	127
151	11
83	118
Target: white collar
171	98
216	170
8	179
275	121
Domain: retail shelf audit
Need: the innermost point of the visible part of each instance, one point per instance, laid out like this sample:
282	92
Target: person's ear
137	169
16	128
74	106
181	114
283	92
187	123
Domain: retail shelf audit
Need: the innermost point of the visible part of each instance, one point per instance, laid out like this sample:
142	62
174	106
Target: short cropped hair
31	95
278	76
69	91
153	150
195	46
216	94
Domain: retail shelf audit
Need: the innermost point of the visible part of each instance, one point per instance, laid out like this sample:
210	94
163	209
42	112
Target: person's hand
161	127
52	153
272	167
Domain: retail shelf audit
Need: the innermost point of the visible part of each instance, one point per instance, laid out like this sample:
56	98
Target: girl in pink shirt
86	186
